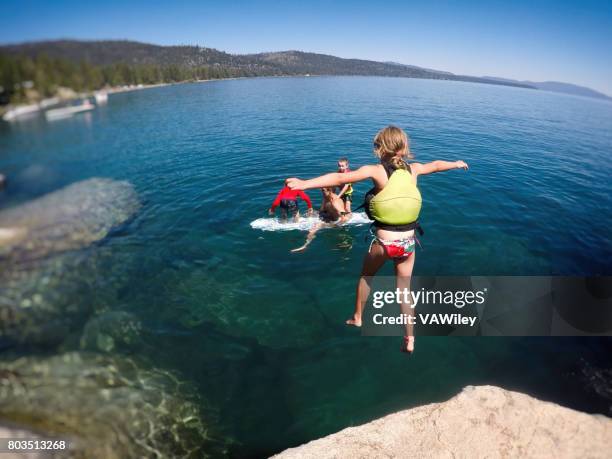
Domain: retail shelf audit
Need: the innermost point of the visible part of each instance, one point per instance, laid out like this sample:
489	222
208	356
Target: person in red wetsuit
287	200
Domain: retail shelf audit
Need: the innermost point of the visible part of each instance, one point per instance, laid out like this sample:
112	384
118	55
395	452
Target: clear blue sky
538	40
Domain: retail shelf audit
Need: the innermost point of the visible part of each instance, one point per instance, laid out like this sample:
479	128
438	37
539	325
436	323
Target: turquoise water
260	331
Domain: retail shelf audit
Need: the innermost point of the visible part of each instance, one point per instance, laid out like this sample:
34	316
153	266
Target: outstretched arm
333	179
343	190
437	166
276	202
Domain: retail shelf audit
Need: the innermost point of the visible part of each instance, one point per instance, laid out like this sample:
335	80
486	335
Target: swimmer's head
343	164
327	192
392	146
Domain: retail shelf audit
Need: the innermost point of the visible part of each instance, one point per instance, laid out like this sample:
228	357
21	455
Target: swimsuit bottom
399	248
289	205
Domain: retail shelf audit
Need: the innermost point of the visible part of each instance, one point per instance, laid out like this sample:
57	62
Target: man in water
331	212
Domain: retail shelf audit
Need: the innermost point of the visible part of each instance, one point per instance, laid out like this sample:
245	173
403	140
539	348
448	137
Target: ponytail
391	145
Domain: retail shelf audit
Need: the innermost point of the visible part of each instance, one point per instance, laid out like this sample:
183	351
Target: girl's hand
295	183
461	165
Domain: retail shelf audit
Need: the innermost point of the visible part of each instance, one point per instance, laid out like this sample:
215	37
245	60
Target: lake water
259	331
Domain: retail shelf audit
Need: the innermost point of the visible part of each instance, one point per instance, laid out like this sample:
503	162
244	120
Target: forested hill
298	62
109	52
105	53
83	65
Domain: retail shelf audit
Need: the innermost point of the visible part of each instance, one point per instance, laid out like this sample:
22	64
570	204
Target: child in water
287	200
332	207
331	213
394	204
346	193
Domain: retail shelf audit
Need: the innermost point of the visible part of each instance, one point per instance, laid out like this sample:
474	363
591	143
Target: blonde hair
391	145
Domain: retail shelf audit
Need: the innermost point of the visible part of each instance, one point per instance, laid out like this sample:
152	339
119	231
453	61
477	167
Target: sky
569	41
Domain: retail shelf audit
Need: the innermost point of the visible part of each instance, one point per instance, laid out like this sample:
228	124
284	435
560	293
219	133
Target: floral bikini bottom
399	248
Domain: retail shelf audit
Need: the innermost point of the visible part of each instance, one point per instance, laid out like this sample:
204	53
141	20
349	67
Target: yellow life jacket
396	207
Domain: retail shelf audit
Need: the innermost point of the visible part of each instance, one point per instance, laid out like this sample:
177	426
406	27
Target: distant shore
14	112
25	110
51	102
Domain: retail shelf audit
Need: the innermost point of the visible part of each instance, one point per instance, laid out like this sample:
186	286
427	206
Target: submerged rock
483	421
46	285
111	331
245	306
67	219
40	305
109	407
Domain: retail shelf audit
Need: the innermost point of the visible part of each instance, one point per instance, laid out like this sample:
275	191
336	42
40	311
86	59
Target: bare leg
372	262
310	237
403	273
296	216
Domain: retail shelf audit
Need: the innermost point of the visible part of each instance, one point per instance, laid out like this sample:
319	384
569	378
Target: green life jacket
396	207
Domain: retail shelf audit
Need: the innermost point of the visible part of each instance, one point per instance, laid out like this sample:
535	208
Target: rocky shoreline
481	421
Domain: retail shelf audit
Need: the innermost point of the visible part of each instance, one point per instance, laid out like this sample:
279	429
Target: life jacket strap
407	227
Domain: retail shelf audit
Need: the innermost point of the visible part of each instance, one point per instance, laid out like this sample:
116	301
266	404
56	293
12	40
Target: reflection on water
140	312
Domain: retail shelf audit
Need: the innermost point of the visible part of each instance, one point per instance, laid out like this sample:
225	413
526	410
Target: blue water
259	330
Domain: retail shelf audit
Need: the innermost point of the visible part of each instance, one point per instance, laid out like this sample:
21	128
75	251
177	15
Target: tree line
21	74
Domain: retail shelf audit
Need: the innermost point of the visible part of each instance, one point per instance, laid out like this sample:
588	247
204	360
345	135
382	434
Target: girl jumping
394	204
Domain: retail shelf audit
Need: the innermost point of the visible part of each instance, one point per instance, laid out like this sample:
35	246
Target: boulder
482	421
70	218
47	285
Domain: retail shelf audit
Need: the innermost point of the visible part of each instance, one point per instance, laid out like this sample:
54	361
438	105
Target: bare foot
355	321
299	249
408	345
